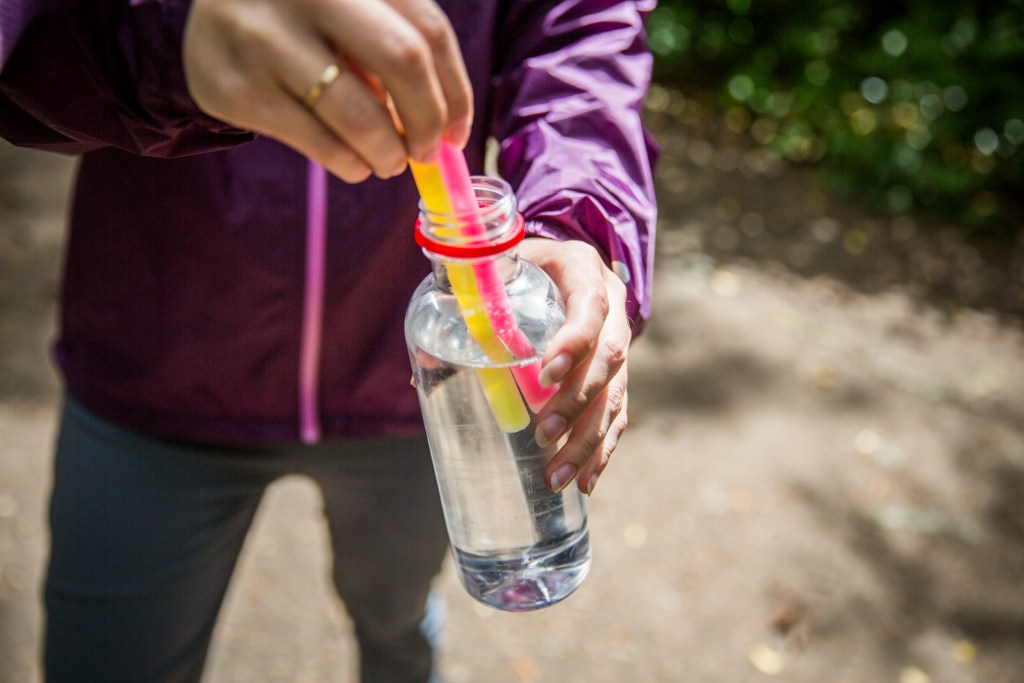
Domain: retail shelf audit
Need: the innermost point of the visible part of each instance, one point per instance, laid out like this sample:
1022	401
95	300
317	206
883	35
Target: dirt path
823	480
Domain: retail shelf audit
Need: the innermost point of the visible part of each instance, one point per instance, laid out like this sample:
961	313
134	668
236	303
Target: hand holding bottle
588	357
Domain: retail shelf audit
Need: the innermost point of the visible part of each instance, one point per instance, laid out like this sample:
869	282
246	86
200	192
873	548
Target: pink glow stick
489	281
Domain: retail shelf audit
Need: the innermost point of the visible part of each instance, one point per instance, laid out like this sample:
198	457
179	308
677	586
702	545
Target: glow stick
498	384
491	286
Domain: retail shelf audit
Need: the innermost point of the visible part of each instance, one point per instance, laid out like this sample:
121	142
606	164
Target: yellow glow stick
498	384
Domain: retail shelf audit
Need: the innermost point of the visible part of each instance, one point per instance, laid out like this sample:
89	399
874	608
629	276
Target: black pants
146	533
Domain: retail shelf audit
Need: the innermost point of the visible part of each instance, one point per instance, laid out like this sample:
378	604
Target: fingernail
562	476
458	132
394	171
556	370
591	484
431	153
550	430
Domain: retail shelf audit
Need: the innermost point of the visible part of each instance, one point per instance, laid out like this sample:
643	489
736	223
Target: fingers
243	60
410	46
313	139
590	406
579	273
435	27
592	440
588	357
350	109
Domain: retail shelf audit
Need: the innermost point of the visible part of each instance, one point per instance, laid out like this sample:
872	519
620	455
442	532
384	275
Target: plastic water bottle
517	546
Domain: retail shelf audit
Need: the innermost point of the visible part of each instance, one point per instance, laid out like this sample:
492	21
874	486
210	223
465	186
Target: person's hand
264	66
588	357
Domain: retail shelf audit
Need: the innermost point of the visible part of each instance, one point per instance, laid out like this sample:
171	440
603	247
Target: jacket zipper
313	303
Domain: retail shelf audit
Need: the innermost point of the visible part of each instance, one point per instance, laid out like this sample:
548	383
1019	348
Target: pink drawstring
313	302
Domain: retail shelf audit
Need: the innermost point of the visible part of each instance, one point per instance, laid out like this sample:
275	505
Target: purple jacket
185	286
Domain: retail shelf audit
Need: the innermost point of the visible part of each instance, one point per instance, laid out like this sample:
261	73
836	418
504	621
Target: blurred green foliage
912	105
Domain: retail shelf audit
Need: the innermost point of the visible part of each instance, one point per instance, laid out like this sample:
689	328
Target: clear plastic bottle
517	545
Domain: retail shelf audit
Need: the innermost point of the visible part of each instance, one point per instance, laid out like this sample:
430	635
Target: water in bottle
517	545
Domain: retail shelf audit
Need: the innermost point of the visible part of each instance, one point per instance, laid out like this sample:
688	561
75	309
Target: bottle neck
494	226
506	263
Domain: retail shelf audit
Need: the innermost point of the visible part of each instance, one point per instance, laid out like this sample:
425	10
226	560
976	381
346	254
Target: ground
823	480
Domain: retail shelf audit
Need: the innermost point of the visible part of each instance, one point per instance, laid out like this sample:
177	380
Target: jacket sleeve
77	75
571	81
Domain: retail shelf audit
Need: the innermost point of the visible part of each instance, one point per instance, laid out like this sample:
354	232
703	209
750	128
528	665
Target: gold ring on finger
327	76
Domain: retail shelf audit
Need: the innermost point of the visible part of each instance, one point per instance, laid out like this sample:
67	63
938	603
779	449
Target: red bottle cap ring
472	249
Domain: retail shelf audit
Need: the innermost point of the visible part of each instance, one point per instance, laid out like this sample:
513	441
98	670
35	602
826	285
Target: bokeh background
823	479
907	105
